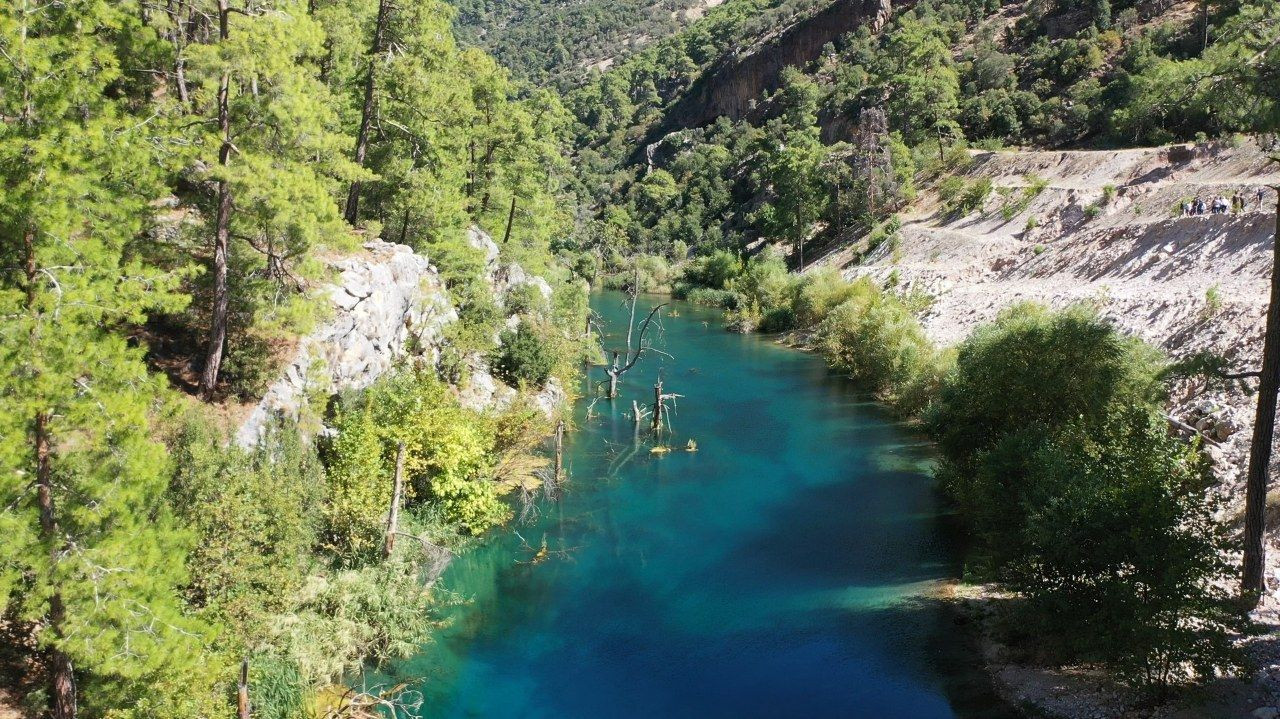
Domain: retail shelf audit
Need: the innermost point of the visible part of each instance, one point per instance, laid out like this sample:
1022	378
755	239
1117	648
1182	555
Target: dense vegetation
564	43
903	104
175	177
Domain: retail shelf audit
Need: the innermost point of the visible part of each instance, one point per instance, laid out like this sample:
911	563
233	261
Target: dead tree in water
635	338
1253	580
559	470
660	405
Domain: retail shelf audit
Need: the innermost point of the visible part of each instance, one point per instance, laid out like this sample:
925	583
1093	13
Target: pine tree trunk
222	229
366	112
62	685
393	516
1253	582
511	218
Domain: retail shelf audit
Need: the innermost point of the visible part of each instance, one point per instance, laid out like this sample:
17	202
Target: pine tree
791	158
274	157
90	556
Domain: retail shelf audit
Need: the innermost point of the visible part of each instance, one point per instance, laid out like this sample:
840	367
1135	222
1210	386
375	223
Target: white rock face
387	303
504	278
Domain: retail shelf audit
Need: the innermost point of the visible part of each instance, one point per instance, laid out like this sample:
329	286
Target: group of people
1220	205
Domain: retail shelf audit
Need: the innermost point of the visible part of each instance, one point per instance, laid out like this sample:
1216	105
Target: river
784	569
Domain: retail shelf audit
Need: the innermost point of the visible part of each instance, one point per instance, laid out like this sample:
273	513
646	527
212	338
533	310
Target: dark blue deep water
784	569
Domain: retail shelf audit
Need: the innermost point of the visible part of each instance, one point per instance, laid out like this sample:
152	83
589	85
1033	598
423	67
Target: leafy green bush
714	271
818	293
875	340
724	299
524	357
255	515
1033	368
974	196
449	457
1120	558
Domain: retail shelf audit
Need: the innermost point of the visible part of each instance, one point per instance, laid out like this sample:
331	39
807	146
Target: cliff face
389	304
386	303
736	81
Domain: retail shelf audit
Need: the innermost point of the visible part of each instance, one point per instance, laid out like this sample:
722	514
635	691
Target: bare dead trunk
242	691
393	516
613	376
559	452
657	407
222	229
1253	581
366	111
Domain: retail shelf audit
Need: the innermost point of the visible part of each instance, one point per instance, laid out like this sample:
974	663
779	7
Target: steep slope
559	42
1106	228
732	86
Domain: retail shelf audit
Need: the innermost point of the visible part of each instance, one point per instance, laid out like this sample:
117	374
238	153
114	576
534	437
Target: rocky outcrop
732	85
387	302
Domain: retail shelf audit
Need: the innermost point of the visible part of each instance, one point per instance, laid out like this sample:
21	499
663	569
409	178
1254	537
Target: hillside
559	43
1105	228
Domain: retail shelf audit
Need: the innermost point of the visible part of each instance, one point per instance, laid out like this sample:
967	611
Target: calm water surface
782	570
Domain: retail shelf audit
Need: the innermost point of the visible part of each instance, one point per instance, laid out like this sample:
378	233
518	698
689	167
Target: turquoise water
782	570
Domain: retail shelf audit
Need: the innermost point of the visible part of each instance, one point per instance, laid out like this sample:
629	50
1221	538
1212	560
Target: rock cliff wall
736	81
387	304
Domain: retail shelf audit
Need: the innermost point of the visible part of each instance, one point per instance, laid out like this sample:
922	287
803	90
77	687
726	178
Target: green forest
176	179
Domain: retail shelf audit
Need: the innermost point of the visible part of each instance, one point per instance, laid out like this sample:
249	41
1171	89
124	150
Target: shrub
524	357
950	189
724	299
1121	559
255	518
975	195
1212	302
817	294
1033	368
875	340
713	271
449	456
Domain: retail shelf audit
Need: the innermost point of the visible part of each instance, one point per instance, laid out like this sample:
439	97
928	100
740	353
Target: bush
875	340
766	282
714	271
255	518
724	299
974	196
1121	560
1037	369
449	457
817	294
524	357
